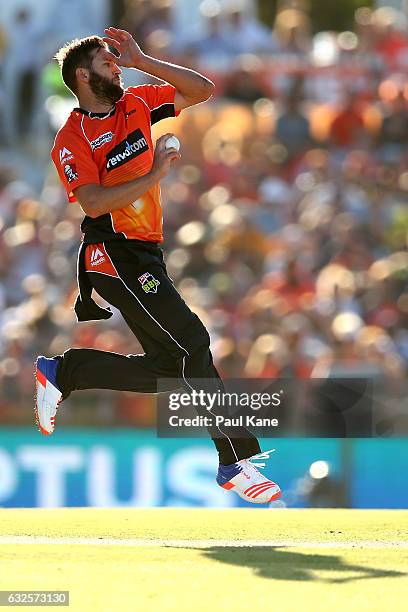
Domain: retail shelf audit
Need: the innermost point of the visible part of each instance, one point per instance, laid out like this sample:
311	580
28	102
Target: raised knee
169	366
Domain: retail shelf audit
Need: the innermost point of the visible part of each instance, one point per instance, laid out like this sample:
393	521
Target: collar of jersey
96	115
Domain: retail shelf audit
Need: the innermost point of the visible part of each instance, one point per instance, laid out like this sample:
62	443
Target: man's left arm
191	86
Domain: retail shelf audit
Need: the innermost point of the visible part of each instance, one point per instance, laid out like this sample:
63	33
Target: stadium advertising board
125	468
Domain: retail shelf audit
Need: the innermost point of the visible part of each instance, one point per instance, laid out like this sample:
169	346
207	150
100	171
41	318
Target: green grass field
169	559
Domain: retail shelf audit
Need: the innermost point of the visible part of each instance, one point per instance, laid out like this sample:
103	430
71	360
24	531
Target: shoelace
264	455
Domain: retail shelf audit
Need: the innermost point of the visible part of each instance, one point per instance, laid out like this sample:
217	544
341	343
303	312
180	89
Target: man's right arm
97	200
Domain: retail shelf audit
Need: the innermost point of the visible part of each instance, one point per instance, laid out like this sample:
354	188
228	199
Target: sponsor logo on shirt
70	172
65	155
131	147
148	282
101	140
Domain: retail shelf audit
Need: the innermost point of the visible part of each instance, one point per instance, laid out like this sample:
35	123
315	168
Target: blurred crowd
286	221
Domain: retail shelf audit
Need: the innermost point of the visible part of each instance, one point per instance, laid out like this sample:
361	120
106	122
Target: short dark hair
77	54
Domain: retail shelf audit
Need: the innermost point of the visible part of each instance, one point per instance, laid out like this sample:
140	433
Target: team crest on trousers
148	282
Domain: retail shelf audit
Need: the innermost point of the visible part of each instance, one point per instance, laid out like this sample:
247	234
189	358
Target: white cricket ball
172	142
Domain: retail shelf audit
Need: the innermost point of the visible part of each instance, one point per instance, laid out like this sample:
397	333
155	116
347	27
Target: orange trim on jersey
97	260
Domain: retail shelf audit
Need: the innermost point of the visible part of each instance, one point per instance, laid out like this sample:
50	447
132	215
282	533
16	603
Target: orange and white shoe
247	481
48	395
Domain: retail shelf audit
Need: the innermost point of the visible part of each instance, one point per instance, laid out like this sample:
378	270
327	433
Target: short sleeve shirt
116	148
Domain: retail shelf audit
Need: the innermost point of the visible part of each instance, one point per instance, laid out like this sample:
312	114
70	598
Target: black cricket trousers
132	277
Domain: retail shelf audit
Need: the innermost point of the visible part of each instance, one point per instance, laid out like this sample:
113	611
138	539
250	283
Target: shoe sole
39	378
274	497
229	486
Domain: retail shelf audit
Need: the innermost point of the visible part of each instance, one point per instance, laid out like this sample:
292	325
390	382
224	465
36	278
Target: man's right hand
163	158
97	200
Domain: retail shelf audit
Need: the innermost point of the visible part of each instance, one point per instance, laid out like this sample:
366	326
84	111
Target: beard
105	90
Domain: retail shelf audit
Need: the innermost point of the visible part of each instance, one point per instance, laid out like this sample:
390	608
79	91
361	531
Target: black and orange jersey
115	148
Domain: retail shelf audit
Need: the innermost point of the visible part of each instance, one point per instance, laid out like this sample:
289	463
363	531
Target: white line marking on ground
158	543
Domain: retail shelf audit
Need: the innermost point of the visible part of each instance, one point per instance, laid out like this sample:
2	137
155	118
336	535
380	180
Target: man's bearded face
106	90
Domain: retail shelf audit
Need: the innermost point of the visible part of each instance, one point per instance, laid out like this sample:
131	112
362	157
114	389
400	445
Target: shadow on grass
283	564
